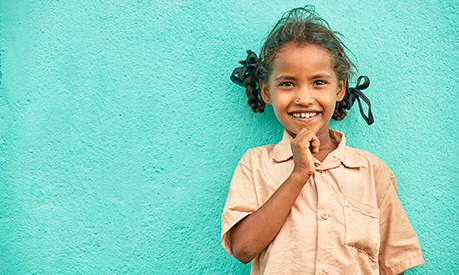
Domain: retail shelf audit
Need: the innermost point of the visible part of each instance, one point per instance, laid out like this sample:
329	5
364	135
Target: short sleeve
241	200
400	249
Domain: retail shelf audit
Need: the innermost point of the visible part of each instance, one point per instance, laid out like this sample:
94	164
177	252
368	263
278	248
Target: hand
303	146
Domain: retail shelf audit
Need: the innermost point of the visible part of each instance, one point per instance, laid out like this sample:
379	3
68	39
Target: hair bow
355	93
240	73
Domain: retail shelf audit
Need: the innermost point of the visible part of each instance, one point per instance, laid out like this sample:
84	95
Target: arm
400	249
255	232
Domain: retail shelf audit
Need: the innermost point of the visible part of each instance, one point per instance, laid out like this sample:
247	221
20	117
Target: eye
286	84
319	82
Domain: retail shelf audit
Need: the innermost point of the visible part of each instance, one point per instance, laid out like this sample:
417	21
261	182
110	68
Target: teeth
303	115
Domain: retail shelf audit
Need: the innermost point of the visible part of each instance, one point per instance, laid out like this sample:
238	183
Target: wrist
300	176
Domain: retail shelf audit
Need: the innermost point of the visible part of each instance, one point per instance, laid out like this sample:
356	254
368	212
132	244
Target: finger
301	134
315	144
304	134
302	142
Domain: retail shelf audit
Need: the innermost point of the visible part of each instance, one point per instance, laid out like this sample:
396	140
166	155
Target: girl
310	204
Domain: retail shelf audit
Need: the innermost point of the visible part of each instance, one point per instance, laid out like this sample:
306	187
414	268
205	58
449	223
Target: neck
327	145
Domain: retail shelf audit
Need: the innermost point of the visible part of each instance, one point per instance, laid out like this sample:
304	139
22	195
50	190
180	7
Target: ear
264	92
341	90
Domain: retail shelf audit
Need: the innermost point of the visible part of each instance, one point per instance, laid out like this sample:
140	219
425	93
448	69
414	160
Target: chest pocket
362	228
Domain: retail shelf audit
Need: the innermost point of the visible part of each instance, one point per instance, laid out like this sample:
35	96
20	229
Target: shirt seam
403	263
253	181
361	212
385	195
361	251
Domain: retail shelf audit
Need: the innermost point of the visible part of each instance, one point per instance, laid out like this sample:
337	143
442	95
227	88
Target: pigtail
246	76
253	93
340	108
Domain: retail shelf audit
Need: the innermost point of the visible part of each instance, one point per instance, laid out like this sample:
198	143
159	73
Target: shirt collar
282	151
342	154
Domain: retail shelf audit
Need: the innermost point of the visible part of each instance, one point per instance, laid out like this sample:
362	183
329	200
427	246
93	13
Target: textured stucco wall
120	129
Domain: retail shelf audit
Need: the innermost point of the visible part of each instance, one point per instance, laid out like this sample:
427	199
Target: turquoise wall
120	129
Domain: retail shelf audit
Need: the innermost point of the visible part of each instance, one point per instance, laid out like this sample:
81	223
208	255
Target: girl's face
303	88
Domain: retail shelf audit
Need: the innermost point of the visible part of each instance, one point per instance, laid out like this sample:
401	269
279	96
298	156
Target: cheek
329	103
280	103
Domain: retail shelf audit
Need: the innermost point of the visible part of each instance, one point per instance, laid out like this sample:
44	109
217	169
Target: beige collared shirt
347	219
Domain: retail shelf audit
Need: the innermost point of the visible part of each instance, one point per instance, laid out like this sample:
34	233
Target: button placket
324	225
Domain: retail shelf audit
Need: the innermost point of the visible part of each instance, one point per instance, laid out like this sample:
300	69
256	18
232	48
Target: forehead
303	57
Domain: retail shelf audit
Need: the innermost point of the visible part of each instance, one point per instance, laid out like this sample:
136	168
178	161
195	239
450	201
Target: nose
304	96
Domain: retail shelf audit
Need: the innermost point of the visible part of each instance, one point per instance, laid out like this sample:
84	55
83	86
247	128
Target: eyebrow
286	77
322	76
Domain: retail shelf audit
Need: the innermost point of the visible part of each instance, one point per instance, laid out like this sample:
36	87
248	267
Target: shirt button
324	217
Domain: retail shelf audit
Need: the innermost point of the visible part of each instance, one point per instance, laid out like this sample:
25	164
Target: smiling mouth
304	115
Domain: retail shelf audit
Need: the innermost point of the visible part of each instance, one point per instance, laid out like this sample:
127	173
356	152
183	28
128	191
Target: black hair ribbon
356	93
240	73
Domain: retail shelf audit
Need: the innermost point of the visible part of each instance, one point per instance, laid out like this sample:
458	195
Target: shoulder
367	158
382	175
257	154
353	157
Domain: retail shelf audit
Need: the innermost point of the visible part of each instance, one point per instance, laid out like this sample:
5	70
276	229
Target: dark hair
300	25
